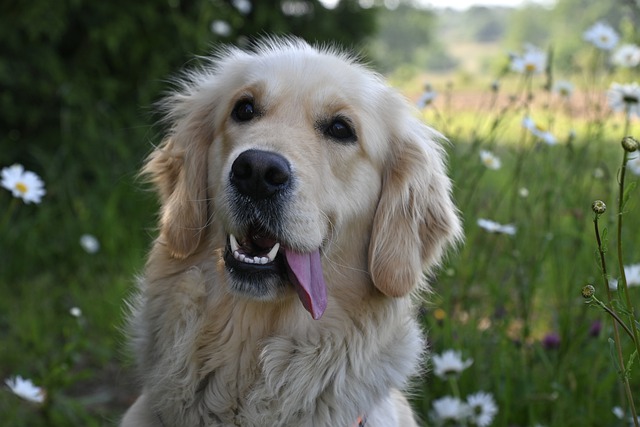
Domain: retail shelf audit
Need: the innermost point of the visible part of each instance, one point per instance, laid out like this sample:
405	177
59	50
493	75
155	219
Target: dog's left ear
415	219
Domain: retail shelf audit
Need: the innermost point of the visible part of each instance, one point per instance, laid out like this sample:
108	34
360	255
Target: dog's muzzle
258	260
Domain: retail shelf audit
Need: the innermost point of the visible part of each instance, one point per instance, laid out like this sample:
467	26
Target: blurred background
78	83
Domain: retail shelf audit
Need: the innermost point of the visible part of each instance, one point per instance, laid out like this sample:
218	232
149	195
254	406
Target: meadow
528	156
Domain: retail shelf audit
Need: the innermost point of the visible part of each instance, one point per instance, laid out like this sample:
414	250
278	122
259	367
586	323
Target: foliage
406	35
511	299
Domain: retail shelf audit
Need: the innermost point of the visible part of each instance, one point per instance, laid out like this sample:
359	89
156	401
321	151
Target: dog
303	203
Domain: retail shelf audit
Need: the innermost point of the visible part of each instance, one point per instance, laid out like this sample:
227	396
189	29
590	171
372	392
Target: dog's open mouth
258	256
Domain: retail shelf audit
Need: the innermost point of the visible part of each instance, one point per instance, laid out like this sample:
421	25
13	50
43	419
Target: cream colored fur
379	208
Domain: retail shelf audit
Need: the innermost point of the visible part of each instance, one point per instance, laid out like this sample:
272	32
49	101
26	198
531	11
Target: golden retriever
302	202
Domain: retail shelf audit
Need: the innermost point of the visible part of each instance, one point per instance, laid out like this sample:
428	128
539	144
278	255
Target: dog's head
289	157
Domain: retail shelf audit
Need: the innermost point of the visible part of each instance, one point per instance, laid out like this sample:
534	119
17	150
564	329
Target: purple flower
596	327
551	341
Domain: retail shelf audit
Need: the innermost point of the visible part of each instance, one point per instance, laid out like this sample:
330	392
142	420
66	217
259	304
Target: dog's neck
228	360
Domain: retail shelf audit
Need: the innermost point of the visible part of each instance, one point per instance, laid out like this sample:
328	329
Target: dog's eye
243	111
341	130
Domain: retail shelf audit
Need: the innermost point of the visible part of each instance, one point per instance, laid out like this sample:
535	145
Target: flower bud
588	291
599	207
630	144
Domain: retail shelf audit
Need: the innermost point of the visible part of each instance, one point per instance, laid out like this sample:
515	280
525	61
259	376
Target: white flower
428	96
598	173
490	160
243	6
25	185
26	389
563	88
449	409
75	312
625	97
482	408
538	131
632	274
89	243
627	55
449	363
494	227
221	28
533	61
601	36
523	192
633	165
618	412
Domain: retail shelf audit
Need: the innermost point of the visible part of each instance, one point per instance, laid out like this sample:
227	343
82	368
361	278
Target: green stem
615	316
623	277
453	382
8	213
616	332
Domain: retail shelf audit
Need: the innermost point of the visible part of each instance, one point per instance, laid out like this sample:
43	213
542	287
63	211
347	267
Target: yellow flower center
530	67
22	187
439	314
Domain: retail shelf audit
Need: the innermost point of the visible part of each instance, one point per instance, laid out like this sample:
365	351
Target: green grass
501	294
495	300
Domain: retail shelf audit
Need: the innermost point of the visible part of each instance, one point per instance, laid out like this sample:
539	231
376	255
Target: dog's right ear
178	169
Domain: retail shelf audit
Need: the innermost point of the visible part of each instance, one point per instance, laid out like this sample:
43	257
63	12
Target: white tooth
248	260
234	243
241	257
264	260
273	252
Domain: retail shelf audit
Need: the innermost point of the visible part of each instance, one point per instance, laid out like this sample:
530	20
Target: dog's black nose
260	174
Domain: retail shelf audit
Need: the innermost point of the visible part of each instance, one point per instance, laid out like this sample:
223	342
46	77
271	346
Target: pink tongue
305	271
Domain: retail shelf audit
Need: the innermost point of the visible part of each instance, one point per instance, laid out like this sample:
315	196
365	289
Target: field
527	164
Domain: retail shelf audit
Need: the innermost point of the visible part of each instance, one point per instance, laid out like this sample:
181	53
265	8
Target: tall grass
513	303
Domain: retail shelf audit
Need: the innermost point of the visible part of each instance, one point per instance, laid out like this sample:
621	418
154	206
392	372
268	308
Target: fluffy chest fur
238	362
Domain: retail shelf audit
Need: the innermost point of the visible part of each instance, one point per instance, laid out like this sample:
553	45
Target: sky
465	4
455	4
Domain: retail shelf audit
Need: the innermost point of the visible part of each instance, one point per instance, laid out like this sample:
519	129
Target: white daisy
75	312
601	36
625	97
633	165
495	227
523	192
482	408
221	28
490	160
449	363
449	409
627	55
26	389
618	412
243	6
533	61
563	88
632	274
427	97
89	243
599	173
25	185
538	131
